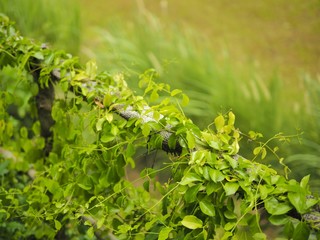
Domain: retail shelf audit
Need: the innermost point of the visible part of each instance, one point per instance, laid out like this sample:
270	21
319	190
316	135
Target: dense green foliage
54	21
80	190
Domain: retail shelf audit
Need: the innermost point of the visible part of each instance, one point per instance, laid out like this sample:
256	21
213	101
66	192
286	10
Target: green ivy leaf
288	229
304	181
190	140
219	122
91	69
216	175
191	222
53	187
190	178
109	117
301	232
24	132
207	207
99	124
229	225
185	100
260	150
164	233
57	225
230	188
278	219
274	207
90	233
107	138
38	55
298	200
259	236
130	151
85	187
154	95
191	194
175	92
231	118
146	130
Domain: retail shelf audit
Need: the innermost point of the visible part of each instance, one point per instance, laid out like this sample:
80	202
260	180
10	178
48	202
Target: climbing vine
69	134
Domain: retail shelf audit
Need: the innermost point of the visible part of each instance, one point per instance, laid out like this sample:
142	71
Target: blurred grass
183	59
52	21
267	101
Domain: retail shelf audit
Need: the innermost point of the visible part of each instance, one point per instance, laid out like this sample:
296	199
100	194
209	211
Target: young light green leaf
231	119
191	140
260	236
229	225
192	222
185	100
164	233
109	117
257	150
304	181
99	124
91	69
146	130
154	95
107	138
219	122
90	233
175	92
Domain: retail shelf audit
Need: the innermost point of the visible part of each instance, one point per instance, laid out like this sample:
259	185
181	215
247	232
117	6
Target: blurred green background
259	58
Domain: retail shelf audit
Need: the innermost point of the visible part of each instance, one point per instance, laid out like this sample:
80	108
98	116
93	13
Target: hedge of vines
69	134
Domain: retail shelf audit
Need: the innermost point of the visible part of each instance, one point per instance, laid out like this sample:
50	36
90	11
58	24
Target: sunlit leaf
190	140
219	122
175	92
91	69
146	130
164	233
191	222
231	118
99	124
154	95
107	138
185	100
